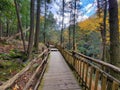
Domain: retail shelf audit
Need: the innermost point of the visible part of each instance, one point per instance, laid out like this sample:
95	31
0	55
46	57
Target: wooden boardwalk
58	75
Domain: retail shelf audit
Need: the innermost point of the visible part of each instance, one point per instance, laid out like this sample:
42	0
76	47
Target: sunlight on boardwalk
58	75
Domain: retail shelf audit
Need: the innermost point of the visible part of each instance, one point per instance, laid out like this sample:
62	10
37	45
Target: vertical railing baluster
78	65
90	79
84	67
80	70
104	82
83	73
96	79
86	76
115	85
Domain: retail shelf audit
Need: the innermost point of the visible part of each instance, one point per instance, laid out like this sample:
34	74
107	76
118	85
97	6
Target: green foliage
8	15
25	12
4	56
14	54
90	44
50	31
8	69
7	8
5	5
18	54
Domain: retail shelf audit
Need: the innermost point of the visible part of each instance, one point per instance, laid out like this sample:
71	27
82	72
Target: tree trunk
37	26
114	33
44	34
104	33
31	37
102	26
7	30
0	29
69	38
20	24
62	25
70	31
74	29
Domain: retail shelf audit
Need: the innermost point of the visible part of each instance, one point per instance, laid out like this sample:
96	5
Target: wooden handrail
11	81
86	67
116	69
34	75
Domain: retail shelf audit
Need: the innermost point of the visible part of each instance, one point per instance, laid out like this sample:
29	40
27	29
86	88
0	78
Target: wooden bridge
58	75
65	70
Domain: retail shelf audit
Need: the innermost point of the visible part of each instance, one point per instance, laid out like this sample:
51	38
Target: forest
28	26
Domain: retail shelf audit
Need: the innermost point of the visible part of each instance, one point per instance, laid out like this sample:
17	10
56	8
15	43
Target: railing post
43	53
73	55
90	71
90	81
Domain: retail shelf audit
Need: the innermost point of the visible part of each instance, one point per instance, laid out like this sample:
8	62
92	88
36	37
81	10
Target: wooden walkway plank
58	75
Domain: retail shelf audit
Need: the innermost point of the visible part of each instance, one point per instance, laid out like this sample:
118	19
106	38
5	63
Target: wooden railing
37	66
91	73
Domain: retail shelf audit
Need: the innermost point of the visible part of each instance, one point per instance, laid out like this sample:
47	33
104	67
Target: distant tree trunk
62	23
31	37
69	38
26	23
20	24
7	29
114	33
74	29
70	32
0	29
44	34
37	26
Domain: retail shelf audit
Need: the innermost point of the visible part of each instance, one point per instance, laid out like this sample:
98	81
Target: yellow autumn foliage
91	23
42	18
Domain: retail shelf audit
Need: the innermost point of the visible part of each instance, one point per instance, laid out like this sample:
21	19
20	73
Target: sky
86	8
